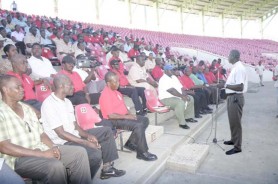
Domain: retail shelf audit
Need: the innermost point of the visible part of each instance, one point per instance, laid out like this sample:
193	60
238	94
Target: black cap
68	59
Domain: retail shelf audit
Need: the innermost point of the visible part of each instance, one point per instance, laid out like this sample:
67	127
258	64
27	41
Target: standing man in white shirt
275	77
236	85
41	67
260	70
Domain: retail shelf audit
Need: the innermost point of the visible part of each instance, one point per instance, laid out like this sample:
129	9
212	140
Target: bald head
60	80
19	63
4	80
234	56
109	76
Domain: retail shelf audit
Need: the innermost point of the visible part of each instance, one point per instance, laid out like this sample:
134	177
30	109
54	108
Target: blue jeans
8	176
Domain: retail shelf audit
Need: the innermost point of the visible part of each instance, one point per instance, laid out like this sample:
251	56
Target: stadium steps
164	146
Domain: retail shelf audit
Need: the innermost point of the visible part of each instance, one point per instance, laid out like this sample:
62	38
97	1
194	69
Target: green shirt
196	80
22	132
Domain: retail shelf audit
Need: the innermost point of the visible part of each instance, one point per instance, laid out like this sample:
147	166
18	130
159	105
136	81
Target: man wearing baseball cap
170	93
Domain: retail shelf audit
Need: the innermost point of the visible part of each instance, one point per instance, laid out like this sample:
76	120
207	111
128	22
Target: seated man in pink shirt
113	108
126	89
20	64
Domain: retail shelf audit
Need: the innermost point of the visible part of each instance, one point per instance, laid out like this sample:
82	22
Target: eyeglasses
28	126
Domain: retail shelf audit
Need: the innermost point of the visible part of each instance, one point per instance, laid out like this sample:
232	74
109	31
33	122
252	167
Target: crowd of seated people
116	67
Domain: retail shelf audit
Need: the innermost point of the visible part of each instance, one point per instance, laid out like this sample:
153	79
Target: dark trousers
52	170
197	104
235	105
34	103
203	99
108	152
21	47
134	93
137	127
79	97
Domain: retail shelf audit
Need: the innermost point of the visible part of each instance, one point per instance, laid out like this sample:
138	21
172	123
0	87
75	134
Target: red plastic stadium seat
47	53
101	70
154	105
86	117
42	92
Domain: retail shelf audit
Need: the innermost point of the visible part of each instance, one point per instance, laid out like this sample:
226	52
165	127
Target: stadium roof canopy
245	9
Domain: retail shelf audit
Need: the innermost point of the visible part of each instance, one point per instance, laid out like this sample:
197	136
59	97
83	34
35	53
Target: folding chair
154	105
42	92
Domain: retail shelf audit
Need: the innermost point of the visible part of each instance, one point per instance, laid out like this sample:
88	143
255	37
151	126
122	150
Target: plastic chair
42	92
47	53
101	70
86	117
154	105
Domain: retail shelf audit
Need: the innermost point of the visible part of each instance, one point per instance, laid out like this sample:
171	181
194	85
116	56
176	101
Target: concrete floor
257	164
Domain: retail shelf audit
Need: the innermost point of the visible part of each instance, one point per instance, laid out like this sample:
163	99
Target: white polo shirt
41	68
260	69
238	75
55	113
165	83
19	36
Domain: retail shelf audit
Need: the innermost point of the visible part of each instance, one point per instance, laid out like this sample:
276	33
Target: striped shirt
22	132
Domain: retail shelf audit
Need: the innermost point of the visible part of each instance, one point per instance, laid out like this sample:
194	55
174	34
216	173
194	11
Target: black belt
230	94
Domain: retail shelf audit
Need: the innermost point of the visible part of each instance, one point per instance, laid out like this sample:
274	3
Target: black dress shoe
208	108
141	113
202	112
198	116
130	146
233	151
146	156
184	126
228	143
191	120
208	111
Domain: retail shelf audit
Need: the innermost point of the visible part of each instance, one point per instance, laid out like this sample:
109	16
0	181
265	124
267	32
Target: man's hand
92	145
92	139
131	117
186	98
52	153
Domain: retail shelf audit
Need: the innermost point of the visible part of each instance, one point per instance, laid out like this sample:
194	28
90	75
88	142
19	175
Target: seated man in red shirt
134	52
80	94
113	107
198	91
20	64
126	89
157	71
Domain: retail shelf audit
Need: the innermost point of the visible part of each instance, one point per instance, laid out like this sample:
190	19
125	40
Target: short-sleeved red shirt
121	65
133	53
157	72
76	80
210	77
186	82
112	102
122	78
27	84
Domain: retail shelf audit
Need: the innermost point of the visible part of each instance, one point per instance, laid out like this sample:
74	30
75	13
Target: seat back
101	70
152	100
47	53
86	117
42	92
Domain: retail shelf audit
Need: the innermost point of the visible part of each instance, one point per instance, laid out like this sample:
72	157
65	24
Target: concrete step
188	158
152	133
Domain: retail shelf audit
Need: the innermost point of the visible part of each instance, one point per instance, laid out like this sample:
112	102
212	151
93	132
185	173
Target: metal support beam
222	25
262	29
145	16
234	6
181	19
241	28
203	22
56	8
129	11
97	10
157	13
